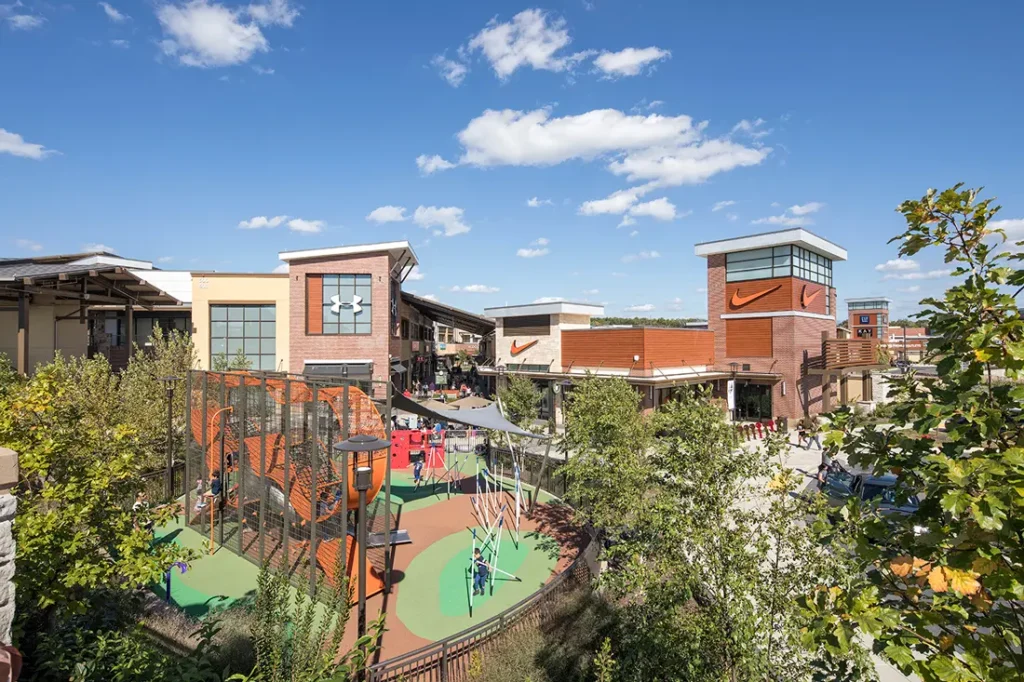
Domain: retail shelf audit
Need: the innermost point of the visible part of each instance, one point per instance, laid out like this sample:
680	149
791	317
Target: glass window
249	329
347	304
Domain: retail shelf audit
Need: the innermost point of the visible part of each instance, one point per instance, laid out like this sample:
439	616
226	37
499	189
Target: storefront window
348	304
778	261
251	329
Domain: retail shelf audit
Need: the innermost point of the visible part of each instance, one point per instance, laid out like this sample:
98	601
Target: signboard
865	319
441	345
730	392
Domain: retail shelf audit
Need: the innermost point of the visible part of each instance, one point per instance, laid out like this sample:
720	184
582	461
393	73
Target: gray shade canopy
482	418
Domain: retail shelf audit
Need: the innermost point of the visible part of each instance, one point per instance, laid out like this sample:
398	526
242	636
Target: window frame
333	283
257	358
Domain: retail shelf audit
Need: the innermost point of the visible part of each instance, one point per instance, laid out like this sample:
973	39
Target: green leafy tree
941	590
79	474
222	363
520	401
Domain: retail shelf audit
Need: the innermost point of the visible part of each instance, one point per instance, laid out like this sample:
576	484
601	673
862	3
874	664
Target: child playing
417	471
200	504
481	569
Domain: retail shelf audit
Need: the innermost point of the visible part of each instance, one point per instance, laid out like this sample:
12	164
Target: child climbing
481	571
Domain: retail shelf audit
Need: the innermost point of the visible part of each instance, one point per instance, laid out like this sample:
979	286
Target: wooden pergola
842	357
23	282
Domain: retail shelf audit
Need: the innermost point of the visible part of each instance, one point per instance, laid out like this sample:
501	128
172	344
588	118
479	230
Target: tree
704	540
941	590
903	322
221	363
520	400
79	473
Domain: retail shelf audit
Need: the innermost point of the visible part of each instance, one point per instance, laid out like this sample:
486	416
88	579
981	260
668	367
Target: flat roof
554	308
866	299
797	236
402	251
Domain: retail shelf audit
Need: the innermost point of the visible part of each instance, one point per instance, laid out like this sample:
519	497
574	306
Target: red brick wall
375	346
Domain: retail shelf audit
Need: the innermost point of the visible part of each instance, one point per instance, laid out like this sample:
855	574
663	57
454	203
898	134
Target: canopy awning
483	418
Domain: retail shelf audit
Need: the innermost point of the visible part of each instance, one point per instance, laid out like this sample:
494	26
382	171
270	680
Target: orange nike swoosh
740	301
517	349
805	300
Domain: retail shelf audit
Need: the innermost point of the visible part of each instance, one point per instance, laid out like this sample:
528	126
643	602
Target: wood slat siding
527	325
678	347
602	348
750	338
314	304
840	353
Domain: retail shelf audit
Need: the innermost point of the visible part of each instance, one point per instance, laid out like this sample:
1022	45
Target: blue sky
211	135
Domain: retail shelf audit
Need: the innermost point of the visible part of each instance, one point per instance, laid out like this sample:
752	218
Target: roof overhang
102	284
401	251
796	236
656	381
555	308
446	314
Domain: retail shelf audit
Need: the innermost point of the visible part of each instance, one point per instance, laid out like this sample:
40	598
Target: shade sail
473	402
483	418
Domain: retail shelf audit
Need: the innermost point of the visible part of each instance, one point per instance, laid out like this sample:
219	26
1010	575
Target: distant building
908	343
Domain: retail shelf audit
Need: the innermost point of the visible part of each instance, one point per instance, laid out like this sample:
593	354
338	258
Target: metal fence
155	484
452	659
553	480
272	487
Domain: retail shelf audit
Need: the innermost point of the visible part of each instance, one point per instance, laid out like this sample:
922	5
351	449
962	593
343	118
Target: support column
130	332
867	387
844	391
23	308
8	505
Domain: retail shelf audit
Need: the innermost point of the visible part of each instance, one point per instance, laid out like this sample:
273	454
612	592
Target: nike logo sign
805	300
740	301
517	349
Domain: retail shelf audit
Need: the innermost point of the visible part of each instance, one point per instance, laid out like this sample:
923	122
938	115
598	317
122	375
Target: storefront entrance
753	402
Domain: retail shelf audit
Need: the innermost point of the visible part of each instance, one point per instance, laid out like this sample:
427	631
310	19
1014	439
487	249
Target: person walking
813	432
481	569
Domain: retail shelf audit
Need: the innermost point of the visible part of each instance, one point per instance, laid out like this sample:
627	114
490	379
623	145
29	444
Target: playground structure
285	492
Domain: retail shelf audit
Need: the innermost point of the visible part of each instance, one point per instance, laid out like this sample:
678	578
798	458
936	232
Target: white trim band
780	313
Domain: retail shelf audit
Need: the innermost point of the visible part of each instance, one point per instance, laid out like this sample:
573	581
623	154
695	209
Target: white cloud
12	143
25	22
415	275
626	221
898	265
454	72
28	245
387	214
616	203
686	163
731	216
430	164
123	44
448	217
93	247
912	289
476	289
262	71
532	253
429	297
307	226
794	216
273	13
535	202
639	308
262	222
618	274
548	299
591	292
280	269
634	233
531	38
931	274
754	129
675	304
206	34
719	205
702	290
805	209
1014	229
630	61
660	209
113	14
165	259
643	255
540	241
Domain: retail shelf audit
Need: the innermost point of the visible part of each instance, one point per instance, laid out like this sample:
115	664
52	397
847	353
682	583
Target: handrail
435	661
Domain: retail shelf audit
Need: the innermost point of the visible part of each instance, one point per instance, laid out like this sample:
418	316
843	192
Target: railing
453	658
155	483
842	353
554	480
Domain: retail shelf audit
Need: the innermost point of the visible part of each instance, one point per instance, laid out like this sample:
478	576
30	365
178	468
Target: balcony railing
843	353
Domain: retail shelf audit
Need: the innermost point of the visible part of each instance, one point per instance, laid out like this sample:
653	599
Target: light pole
363	481
168	383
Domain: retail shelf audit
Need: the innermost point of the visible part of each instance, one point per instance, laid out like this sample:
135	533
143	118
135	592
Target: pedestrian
814	431
801	432
417	471
141	509
822	476
480	571
199	495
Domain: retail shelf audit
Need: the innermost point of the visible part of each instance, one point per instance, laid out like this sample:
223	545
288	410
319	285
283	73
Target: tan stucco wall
72	337
240	289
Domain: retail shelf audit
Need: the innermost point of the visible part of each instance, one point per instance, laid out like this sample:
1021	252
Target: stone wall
8	504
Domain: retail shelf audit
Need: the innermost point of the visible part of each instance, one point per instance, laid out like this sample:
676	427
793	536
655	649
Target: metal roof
97	284
453	317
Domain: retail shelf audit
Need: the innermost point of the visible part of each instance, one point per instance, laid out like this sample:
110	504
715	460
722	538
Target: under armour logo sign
337	304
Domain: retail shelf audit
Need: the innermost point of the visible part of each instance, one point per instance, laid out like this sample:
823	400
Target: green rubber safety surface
435	593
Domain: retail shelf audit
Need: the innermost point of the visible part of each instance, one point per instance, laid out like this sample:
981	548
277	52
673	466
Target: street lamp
363	482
